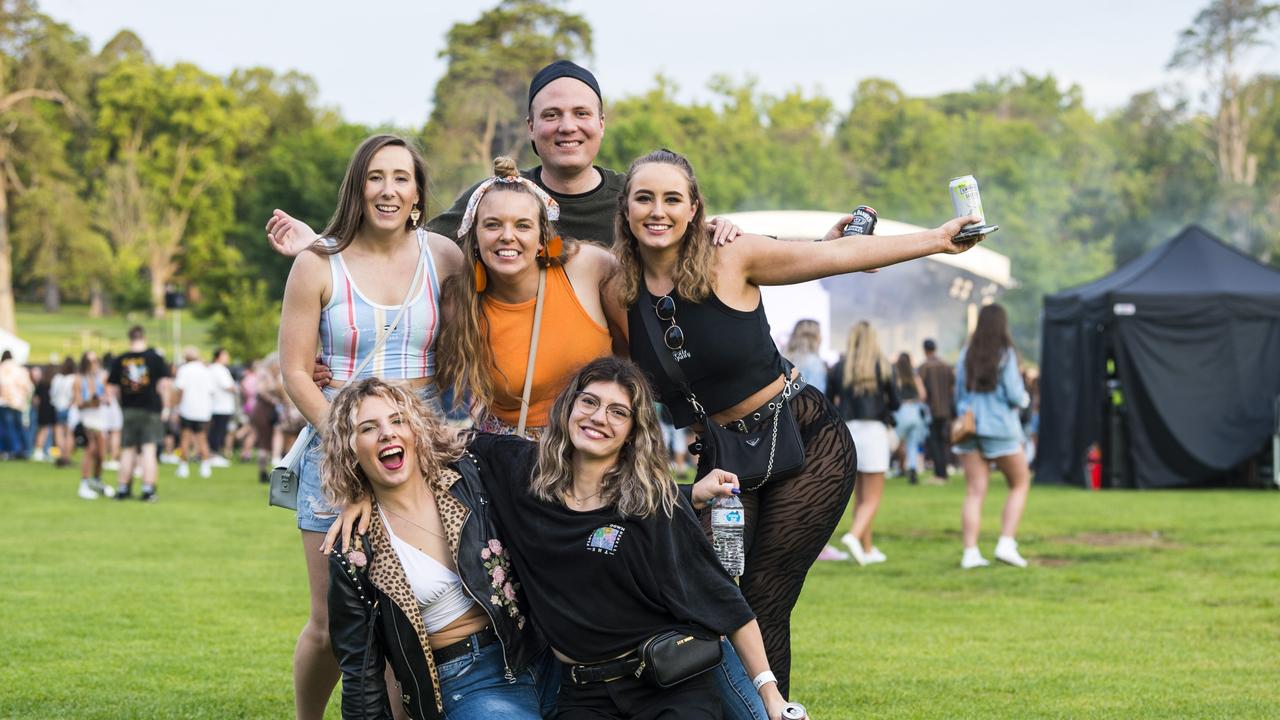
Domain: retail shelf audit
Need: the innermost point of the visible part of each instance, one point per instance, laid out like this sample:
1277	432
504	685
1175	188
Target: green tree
37	59
481	102
1217	43
169	139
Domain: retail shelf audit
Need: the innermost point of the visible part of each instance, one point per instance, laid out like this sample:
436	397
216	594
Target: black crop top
727	356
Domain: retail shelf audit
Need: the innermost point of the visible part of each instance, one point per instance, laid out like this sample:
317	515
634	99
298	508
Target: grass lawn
71	331
1137	605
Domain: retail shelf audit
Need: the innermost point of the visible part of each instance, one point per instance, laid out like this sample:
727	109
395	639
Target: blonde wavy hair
694	273
341	477
862	354
806	338
464	355
639	483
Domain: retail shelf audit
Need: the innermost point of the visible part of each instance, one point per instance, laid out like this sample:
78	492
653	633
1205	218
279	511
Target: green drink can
965	198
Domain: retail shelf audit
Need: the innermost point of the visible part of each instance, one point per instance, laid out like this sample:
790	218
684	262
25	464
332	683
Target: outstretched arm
288	235
765	261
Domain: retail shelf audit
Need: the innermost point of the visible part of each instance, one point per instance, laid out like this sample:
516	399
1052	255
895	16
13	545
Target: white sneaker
170	459
831	553
37	455
205	470
219	462
875	556
184	470
855	548
86	491
111	465
973	559
96	485
1007	551
108	491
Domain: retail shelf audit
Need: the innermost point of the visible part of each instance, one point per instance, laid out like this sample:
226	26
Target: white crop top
438	590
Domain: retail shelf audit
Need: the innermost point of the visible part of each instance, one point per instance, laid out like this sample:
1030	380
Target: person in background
223	407
15	399
138	380
862	389
911	420
989	385
90	393
112	423
939	382
802	350
1030	415
246	435
61	394
193	396
42	419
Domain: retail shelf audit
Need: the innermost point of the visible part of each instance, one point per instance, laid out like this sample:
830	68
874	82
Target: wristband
764	677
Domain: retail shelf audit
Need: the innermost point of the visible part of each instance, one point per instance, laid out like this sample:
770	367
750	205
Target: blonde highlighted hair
694	273
639	483
862	356
464	355
341	477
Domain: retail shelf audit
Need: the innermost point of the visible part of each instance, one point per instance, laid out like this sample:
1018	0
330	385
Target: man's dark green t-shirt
586	216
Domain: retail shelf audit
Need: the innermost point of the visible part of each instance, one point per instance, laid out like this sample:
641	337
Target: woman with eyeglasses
708	301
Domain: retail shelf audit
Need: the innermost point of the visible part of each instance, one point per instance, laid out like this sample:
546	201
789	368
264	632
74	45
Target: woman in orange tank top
508	238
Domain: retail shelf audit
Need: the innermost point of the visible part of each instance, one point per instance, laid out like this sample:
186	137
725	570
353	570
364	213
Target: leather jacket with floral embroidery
374	619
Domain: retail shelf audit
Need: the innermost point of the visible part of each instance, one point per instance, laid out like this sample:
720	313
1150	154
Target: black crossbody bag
771	451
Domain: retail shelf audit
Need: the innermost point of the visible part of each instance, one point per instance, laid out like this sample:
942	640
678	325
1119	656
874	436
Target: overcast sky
377	62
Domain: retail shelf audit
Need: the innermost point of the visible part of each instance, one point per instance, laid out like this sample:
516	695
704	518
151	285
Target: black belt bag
772	450
669	658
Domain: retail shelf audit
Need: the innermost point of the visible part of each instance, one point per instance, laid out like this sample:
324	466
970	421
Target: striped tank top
350	323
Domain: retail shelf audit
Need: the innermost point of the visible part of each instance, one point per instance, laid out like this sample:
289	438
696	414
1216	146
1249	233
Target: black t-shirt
585	216
138	374
600	584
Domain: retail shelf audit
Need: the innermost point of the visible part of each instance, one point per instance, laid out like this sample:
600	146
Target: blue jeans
13	438
740	699
475	687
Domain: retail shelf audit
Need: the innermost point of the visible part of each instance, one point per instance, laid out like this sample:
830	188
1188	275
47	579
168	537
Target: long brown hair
349	215
639	483
988	345
341	477
906	373
464	355
694	273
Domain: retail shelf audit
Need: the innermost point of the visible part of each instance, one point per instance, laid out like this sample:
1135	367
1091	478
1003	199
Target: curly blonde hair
464	356
341	477
638	484
694	273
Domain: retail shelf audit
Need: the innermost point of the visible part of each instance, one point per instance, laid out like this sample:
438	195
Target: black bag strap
665	358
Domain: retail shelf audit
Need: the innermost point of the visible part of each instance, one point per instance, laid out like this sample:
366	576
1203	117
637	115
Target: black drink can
863	223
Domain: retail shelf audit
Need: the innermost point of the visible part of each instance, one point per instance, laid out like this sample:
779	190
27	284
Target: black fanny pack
669	658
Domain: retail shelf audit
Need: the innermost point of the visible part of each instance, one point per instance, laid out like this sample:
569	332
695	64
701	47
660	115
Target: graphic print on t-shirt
605	539
134	374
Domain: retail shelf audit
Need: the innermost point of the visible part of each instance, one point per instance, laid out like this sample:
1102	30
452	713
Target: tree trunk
52	295
8	320
97	300
157	292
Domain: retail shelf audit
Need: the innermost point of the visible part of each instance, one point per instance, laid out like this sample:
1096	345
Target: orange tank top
568	339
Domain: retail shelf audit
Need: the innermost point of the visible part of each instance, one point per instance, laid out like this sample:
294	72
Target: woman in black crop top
719	336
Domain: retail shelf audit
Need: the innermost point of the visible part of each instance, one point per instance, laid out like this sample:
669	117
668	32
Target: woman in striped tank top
339	297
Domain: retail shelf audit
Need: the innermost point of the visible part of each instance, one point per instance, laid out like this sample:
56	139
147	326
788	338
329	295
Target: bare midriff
415	383
472	622
753	401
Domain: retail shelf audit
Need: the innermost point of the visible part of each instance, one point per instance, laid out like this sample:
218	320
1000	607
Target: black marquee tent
1193	327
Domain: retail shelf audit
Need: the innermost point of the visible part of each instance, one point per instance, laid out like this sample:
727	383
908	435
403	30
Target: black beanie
561	69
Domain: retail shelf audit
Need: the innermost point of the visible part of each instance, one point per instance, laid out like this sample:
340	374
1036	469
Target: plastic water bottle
728	521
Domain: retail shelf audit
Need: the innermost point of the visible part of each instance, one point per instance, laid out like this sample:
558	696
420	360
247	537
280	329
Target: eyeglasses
665	309
588	404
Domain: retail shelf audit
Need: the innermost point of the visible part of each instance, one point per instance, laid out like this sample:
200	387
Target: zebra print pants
789	521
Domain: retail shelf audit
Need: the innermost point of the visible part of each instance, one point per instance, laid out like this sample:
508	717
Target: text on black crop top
728	354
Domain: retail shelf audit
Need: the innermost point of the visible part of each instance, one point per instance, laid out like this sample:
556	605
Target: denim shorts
315	513
475	687
990	447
